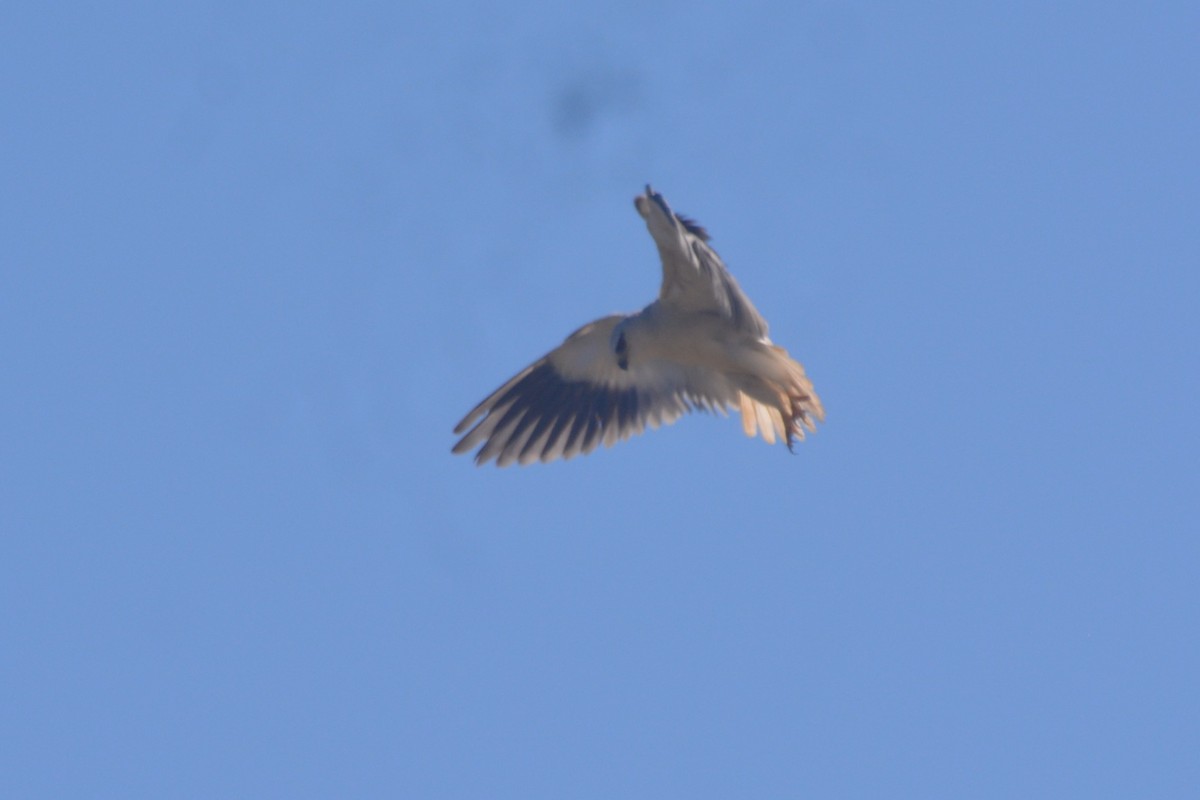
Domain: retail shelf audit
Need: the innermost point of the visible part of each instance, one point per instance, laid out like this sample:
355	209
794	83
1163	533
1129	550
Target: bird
702	345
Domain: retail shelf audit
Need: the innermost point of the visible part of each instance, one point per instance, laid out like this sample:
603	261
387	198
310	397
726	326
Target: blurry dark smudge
579	105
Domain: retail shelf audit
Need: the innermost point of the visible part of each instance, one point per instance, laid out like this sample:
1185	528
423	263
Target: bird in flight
700	345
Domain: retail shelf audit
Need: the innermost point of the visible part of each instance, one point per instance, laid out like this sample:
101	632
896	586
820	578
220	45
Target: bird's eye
621	346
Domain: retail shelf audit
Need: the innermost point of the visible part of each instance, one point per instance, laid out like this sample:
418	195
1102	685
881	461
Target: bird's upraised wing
694	277
577	397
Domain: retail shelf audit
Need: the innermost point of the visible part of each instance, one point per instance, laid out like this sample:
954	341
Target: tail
778	398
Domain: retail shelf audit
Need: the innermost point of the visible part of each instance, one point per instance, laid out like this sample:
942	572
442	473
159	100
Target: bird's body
701	344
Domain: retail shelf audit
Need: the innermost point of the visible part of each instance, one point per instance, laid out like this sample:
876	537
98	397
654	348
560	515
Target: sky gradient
255	263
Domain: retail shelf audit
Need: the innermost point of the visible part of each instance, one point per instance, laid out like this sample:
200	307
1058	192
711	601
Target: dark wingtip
688	223
693	227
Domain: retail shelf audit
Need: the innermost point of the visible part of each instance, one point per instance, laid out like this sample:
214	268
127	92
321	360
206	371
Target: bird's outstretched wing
694	277
577	397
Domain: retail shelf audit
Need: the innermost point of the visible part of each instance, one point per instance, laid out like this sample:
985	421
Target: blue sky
256	262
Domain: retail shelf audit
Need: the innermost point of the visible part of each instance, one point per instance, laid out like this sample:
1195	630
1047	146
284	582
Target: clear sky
256	260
